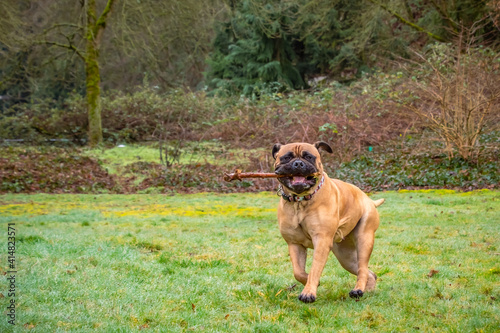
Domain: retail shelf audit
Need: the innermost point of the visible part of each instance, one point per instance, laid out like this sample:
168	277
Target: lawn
217	263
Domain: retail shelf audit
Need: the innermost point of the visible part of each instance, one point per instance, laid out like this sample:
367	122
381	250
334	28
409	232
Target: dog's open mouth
302	180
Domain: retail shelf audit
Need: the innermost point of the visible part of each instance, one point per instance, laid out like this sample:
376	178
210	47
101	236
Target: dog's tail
378	202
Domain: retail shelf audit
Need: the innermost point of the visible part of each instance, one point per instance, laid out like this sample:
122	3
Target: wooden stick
240	175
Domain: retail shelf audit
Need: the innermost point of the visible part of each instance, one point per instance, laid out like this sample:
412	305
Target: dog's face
301	163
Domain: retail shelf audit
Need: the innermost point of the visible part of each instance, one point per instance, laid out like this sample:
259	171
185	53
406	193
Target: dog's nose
298	164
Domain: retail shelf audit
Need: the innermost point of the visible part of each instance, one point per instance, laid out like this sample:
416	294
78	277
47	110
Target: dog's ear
323	145
276	149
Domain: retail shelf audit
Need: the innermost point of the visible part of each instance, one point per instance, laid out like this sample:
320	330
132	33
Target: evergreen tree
257	50
269	45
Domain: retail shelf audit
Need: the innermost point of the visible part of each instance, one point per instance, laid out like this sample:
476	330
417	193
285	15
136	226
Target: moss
93	95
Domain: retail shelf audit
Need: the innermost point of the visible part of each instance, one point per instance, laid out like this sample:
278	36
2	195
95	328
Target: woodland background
406	91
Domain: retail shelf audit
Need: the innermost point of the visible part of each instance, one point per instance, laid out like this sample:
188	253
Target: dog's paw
356	293
307	298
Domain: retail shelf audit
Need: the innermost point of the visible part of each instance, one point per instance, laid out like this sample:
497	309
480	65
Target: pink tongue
298	180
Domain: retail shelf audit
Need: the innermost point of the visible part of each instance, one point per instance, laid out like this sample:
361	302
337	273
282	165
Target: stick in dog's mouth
237	174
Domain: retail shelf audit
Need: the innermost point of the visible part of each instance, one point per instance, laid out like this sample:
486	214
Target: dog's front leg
322	247
298	255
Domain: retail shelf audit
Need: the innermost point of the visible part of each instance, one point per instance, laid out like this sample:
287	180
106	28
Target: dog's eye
308	157
285	158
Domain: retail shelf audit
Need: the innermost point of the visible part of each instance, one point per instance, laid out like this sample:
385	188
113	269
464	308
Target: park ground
209	262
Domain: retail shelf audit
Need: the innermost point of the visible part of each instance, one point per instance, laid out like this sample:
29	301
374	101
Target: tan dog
325	214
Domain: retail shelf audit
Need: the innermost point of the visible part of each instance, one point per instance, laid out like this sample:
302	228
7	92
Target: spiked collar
296	198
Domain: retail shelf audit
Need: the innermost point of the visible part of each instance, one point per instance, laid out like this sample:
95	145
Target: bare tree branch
67	46
100	24
60	25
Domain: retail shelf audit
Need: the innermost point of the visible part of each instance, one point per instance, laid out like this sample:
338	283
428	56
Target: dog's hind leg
354	252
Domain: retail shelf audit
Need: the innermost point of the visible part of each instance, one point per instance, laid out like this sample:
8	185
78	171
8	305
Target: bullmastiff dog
324	214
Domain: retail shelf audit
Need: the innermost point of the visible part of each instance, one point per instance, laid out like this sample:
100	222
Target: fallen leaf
227	316
432	273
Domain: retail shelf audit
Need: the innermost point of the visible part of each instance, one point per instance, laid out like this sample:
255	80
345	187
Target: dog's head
300	163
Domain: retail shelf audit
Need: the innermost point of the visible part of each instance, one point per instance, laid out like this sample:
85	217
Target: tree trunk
94	29
93	79
92	75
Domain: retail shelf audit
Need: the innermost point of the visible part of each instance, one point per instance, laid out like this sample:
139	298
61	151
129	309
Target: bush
14	129
46	119
51	170
351	118
394	169
456	93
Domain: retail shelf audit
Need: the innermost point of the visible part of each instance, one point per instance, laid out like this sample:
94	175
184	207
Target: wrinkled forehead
298	149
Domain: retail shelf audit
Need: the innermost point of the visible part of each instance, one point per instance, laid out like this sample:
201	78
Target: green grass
217	263
127	154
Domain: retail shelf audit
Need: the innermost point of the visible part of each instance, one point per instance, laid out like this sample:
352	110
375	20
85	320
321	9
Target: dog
325	214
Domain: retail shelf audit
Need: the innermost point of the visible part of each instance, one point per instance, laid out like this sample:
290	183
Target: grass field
217	263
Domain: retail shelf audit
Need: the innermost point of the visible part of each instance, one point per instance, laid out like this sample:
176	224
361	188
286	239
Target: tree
9	24
279	43
165	43
162	44
10	37
93	29
93	35
441	20
257	50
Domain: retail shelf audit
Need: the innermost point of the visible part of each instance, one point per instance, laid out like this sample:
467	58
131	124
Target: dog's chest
293	228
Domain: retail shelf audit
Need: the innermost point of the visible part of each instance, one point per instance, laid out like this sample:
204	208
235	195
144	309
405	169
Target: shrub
51	170
457	95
